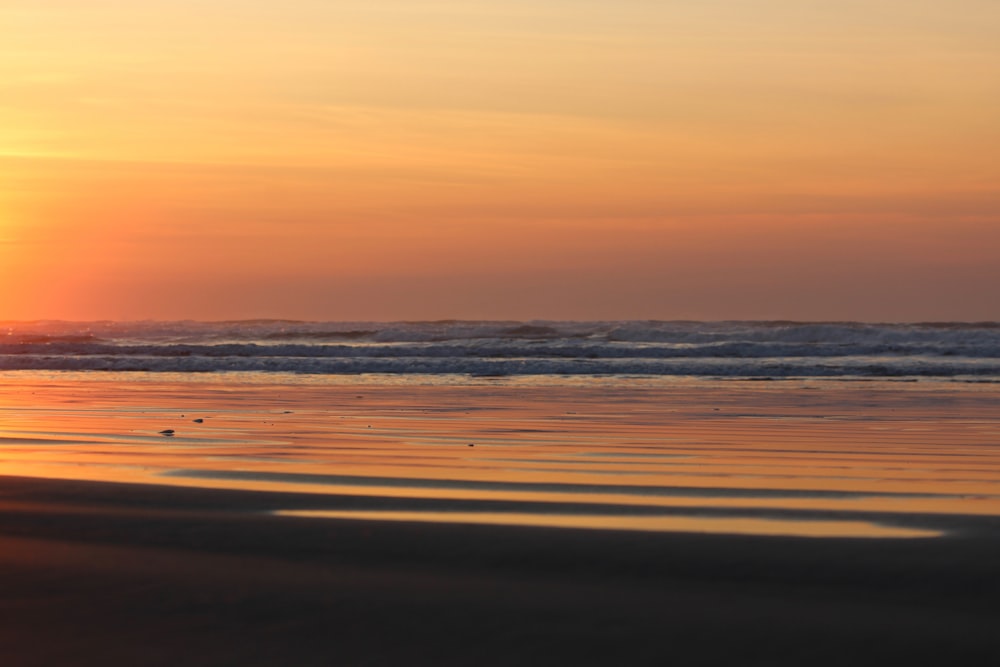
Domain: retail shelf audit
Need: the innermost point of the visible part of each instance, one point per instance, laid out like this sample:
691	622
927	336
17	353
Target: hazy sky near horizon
560	159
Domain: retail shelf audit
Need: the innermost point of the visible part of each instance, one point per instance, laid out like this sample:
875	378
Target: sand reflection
821	460
733	526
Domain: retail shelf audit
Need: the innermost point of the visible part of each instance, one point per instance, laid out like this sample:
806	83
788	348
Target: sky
524	159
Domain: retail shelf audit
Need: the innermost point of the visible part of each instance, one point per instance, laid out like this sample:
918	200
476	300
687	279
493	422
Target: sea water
963	352
868	430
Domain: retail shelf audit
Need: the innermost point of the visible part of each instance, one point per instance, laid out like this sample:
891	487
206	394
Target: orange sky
549	159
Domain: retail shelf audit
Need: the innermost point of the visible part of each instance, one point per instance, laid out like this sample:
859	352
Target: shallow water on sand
806	458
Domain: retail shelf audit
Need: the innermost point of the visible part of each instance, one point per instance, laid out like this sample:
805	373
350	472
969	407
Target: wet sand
109	562
99	574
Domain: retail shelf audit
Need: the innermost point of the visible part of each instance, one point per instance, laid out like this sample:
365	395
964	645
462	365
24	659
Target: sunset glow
546	159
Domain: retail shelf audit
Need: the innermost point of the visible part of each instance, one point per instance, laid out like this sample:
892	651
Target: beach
356	522
536	332
193	577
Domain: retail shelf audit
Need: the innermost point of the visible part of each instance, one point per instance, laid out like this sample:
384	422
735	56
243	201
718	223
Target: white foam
718	349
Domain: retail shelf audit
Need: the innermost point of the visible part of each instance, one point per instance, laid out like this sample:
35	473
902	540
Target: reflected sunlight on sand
730	457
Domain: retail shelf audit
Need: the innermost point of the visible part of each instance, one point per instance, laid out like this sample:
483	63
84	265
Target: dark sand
115	574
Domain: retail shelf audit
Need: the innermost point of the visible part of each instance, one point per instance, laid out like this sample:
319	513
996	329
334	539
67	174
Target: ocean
441	421
961	352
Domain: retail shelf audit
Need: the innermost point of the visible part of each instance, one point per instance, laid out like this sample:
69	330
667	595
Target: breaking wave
717	349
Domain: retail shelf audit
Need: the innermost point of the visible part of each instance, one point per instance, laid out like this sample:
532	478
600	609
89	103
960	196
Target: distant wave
718	349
